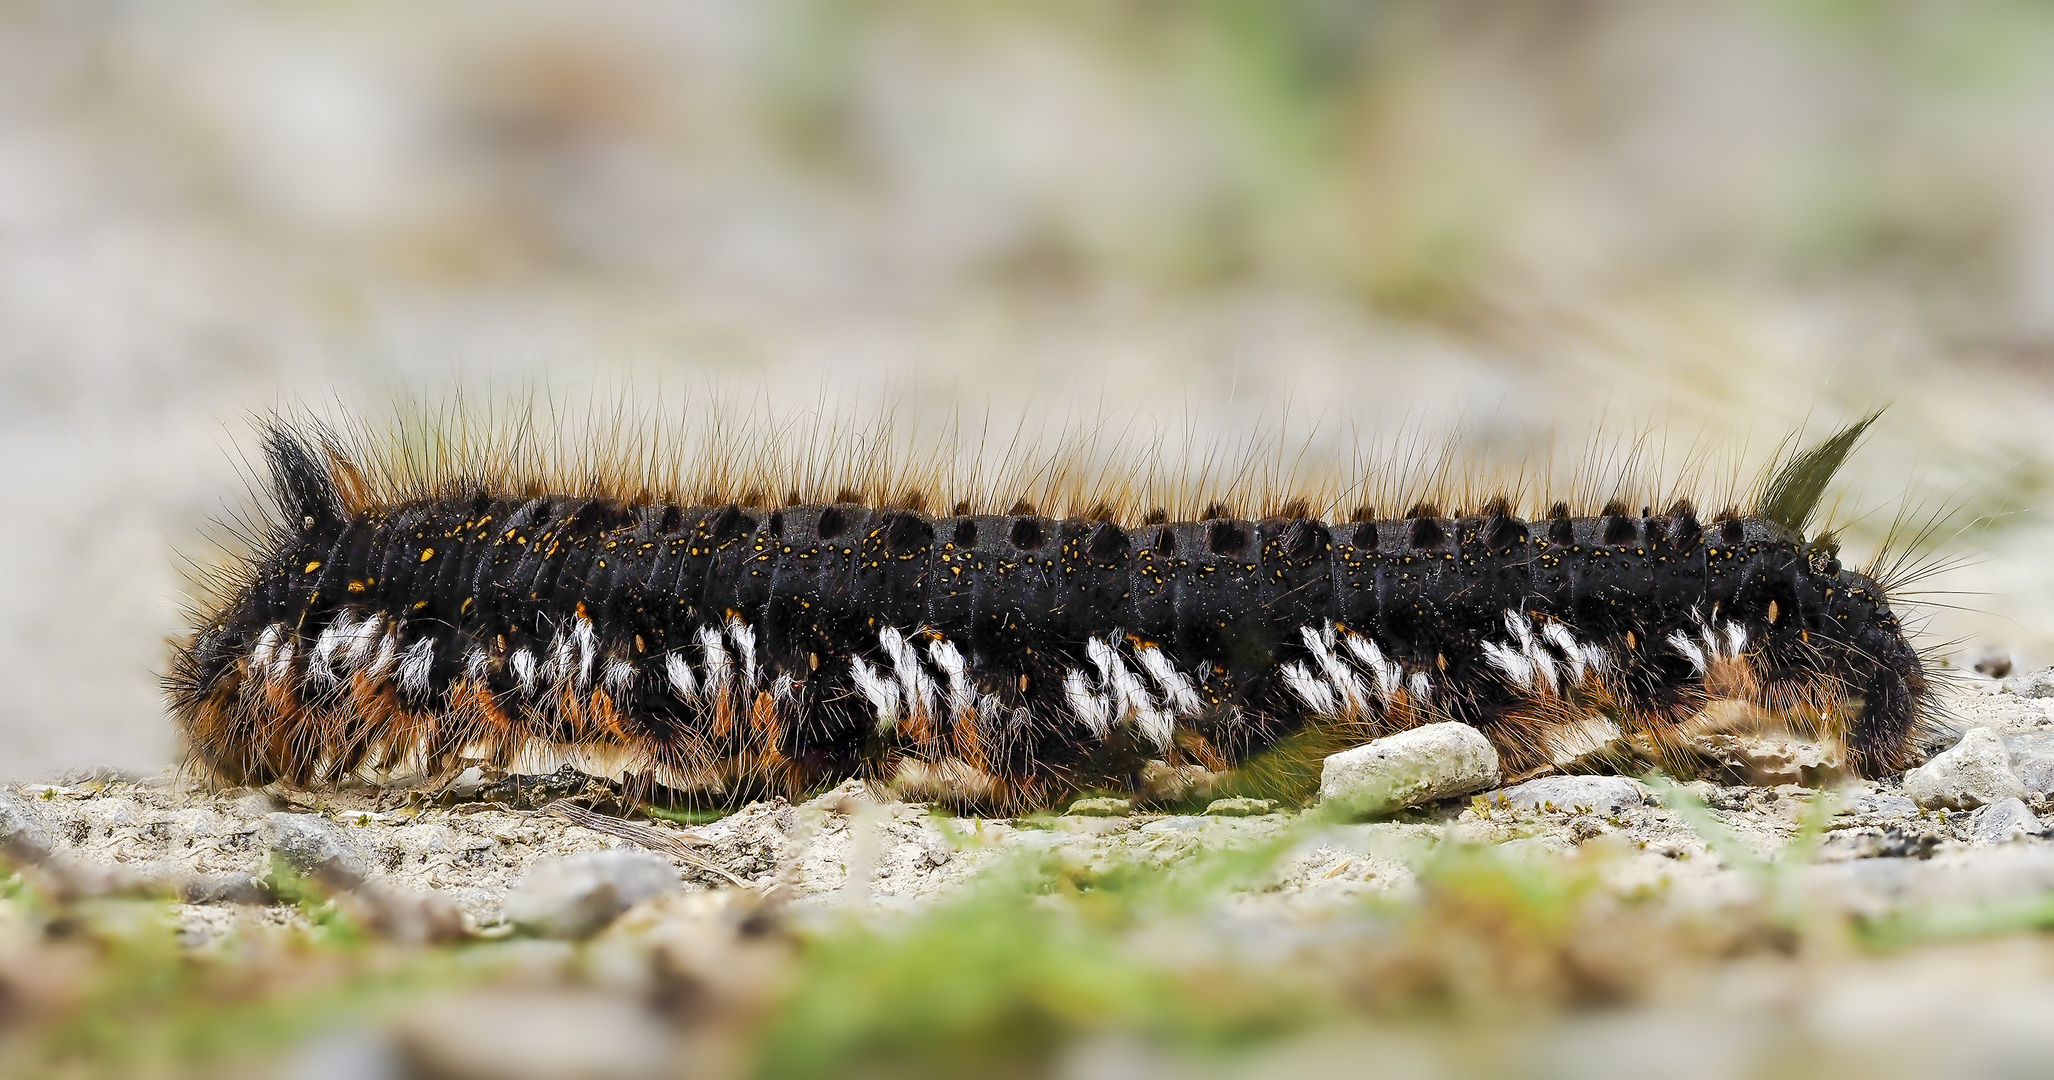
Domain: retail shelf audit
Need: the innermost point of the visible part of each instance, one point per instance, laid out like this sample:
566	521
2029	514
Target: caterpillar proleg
383	627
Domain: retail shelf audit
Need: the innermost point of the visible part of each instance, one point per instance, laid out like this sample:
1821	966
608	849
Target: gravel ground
1726	863
161	833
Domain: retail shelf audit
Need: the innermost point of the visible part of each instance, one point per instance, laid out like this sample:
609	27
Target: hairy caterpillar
411	621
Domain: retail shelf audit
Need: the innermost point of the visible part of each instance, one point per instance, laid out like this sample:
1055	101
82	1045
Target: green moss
1034	956
687	816
150	1005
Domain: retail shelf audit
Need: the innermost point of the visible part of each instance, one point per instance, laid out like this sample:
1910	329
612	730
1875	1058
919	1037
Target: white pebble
1437	761
1975	772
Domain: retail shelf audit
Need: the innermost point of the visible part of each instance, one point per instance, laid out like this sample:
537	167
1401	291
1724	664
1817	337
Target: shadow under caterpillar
1006	661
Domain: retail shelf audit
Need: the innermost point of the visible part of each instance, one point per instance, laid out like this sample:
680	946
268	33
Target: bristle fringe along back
1005	660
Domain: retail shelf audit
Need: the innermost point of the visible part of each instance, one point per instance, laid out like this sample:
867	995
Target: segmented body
1005	659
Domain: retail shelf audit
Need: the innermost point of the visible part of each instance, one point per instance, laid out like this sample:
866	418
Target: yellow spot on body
1772	613
313	566
356	586
427	553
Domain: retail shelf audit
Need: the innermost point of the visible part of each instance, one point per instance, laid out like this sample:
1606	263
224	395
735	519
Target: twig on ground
662	841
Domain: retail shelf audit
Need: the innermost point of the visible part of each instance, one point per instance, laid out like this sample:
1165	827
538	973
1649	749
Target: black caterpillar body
1008	660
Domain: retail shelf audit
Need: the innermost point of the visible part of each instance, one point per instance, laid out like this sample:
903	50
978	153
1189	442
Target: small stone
1975	772
225	888
109	814
1240	807
69	876
512	1035
2032	684
1597	794
313	846
1766	761
346	1055
1410	768
2032	759
577	895
468	783
2003	822
1882	805
24	839
1103	807
520	961
255	804
1994	662
408	916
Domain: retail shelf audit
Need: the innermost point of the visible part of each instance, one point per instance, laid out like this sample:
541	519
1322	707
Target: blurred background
1715	222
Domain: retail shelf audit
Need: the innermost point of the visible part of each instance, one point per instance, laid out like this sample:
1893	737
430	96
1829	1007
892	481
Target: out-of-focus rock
1437	761
577	895
24	838
1994	662
1975	772
315	847
1970	877
408	916
1597	794
226	888
2003	822
2032	684
67	876
353	1054
1535	847
1104	807
544	1035
1240	807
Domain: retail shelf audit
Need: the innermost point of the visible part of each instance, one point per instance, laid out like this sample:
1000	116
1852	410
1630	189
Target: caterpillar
410	621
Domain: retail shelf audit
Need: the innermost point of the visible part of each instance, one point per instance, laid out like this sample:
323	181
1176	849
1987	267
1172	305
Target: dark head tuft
1791	497
301	485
